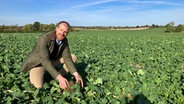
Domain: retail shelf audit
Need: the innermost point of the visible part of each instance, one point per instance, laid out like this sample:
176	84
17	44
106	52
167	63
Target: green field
118	67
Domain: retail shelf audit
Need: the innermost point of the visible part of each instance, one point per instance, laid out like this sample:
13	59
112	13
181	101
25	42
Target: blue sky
92	12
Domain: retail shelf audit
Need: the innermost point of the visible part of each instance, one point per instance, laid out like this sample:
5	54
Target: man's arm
70	65
68	59
45	61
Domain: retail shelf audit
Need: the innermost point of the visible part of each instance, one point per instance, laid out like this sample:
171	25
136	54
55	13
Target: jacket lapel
52	42
51	47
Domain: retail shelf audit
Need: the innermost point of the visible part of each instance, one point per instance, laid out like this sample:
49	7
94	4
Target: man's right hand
63	83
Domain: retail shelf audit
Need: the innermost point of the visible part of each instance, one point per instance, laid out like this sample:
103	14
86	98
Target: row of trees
38	27
35	27
171	28
113	27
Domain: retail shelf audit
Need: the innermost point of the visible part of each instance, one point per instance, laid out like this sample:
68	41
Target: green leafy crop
118	67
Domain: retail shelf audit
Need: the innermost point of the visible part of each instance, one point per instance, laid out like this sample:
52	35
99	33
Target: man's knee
36	76
38	85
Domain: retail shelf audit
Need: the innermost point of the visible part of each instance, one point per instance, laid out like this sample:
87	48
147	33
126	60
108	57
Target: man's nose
64	34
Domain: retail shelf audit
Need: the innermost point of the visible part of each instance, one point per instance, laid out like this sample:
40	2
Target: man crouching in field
51	50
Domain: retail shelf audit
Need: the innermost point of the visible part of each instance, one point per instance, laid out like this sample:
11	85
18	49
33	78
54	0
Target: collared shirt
58	42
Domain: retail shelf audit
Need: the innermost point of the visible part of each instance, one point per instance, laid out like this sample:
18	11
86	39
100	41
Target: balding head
63	23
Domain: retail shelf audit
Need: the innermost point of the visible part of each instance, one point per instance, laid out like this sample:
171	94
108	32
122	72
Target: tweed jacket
40	55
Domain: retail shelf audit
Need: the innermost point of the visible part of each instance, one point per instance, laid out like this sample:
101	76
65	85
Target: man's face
61	31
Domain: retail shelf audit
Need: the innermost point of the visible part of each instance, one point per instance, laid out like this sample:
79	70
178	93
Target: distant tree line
35	27
171	28
76	28
38	27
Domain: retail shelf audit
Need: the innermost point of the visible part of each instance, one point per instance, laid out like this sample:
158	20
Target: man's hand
63	83
78	78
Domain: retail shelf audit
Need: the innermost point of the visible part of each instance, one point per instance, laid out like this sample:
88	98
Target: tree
27	28
43	27
172	23
179	28
170	27
36	26
2	28
51	26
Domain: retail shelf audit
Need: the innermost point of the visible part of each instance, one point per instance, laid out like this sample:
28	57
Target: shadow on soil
138	99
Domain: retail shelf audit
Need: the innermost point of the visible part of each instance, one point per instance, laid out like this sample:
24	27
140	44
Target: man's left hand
78	78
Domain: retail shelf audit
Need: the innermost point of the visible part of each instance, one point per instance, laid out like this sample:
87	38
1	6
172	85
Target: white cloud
151	2
93	3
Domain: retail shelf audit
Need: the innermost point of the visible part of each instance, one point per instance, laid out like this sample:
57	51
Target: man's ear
56	28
